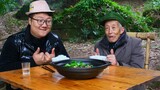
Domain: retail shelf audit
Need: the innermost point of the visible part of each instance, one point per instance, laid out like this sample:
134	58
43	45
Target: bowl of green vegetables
80	68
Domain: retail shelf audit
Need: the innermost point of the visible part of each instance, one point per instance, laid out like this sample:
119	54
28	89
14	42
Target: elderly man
35	44
117	46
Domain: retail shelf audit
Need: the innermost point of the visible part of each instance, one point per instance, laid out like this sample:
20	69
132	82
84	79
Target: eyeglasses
41	21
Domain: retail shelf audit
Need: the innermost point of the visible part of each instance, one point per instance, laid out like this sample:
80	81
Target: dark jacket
128	50
21	46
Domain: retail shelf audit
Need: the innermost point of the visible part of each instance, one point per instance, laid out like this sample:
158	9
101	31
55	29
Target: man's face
41	24
113	30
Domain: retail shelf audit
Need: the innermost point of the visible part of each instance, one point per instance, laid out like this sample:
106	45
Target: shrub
82	20
152	10
7	5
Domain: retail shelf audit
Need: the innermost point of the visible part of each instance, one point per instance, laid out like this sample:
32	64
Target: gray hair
120	25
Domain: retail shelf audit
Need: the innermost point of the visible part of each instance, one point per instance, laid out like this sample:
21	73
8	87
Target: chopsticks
47	68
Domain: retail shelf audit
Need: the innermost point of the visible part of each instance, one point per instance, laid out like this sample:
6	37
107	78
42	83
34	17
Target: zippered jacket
21	46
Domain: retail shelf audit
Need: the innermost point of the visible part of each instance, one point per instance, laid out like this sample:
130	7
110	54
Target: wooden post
148	36
148	44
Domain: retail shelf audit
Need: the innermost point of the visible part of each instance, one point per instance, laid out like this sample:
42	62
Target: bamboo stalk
148	44
143	35
148	36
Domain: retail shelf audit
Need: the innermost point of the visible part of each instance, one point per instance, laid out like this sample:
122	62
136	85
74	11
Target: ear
121	30
29	21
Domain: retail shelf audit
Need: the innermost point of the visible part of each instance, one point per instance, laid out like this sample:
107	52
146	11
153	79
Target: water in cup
26	68
26	71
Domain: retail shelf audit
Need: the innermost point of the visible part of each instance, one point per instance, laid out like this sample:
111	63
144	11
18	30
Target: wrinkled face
41	24
113	30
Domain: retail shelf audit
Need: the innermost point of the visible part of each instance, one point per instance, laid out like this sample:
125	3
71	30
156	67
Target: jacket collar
108	46
50	40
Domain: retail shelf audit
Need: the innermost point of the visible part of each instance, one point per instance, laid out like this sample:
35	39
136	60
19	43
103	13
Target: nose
44	24
110	30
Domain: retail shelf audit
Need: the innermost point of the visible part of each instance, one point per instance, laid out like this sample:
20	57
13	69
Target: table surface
112	78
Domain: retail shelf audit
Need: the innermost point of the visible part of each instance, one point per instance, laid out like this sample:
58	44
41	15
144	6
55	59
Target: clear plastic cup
26	68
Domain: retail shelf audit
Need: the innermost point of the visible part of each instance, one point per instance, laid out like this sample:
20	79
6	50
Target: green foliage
152	10
83	18
7	5
57	5
152	4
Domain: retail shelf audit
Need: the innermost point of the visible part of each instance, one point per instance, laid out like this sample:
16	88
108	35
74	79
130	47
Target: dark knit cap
112	16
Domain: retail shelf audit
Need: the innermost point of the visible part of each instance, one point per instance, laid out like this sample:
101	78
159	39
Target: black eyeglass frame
44	21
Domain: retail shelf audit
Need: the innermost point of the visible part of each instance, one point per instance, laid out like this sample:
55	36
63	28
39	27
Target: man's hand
97	52
48	57
38	57
112	58
43	58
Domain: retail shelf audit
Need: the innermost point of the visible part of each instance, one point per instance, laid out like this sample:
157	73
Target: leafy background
78	20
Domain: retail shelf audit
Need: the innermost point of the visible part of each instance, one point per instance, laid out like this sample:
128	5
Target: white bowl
59	58
104	58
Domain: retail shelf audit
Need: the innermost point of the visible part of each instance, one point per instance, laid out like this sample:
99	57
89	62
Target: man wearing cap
35	44
119	48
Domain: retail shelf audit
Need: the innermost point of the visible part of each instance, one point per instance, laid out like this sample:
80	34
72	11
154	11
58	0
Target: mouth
111	38
43	30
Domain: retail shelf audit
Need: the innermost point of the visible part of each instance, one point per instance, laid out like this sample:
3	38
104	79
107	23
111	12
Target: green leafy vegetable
78	64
